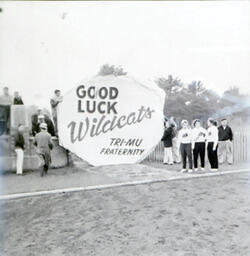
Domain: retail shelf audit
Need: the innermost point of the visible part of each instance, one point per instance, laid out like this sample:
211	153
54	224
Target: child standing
212	144
167	140
199	136
185	144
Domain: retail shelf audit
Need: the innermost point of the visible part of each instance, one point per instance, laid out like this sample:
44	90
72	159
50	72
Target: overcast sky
49	45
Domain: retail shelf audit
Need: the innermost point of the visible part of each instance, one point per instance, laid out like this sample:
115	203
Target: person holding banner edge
167	140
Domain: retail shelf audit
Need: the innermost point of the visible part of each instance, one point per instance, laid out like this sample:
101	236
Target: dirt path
206	216
82	175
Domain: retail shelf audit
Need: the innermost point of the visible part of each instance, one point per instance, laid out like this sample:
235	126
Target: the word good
97	100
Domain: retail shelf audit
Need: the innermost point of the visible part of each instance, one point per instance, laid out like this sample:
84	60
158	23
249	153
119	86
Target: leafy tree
235	105
188	102
196	88
231	96
170	85
172	88
107	69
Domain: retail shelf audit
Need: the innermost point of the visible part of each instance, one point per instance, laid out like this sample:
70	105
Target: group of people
42	128
6	100
43	142
186	145
191	143
39	117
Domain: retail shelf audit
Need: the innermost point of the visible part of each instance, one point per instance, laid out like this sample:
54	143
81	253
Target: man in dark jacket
34	121
44	145
38	119
17	99
225	149
167	140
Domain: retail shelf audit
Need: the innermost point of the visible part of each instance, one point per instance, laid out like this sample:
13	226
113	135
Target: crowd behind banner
192	142
186	145
42	128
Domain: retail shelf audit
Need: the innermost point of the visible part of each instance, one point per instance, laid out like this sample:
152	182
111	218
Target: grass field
205	216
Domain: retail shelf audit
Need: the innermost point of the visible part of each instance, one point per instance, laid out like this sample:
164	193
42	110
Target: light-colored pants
176	151
55	123
225	151
168	156
19	160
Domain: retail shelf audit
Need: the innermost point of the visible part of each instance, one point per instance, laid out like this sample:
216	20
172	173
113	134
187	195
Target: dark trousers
212	155
44	170
186	152
199	150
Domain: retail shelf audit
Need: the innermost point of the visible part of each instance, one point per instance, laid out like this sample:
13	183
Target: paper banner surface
111	120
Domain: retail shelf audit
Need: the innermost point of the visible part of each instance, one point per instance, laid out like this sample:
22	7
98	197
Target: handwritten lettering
78	131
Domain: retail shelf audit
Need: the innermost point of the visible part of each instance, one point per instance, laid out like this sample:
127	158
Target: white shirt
212	134
199	134
6	100
185	136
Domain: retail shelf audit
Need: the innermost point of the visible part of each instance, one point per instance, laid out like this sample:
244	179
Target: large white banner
111	120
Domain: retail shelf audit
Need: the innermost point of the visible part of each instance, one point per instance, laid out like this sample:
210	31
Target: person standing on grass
212	144
225	148
19	149
185	144
44	145
167	140
199	136
175	150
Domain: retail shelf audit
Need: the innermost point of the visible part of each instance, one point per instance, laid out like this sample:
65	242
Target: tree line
193	100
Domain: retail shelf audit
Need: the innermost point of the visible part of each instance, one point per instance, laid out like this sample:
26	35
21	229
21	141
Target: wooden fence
241	148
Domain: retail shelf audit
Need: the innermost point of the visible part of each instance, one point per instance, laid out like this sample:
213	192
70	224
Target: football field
202	216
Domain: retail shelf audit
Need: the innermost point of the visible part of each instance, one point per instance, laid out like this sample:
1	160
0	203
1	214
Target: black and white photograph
124	128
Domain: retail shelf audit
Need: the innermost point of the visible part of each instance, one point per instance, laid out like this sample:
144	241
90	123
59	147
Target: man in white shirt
54	102
6	99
